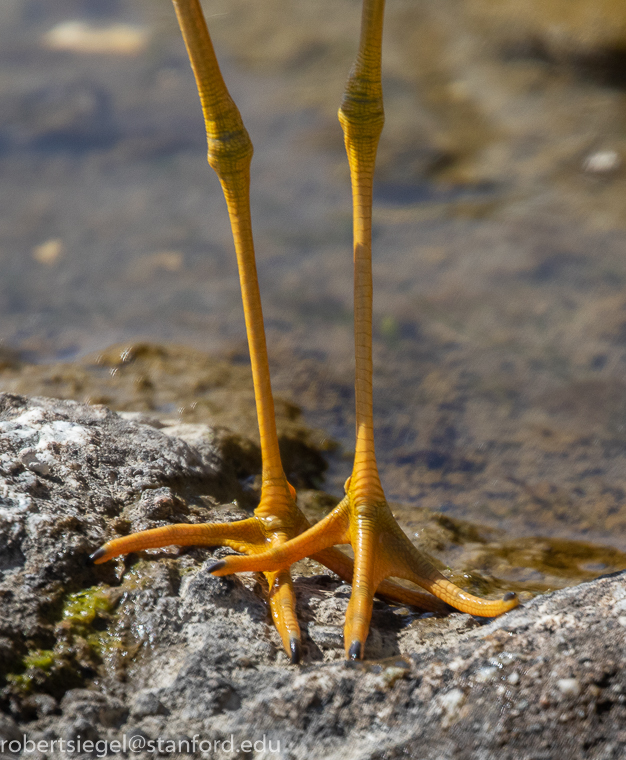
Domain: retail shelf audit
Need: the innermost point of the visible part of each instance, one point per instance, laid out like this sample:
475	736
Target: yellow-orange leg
363	518
276	518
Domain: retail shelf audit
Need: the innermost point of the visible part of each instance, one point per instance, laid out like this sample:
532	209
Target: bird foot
381	550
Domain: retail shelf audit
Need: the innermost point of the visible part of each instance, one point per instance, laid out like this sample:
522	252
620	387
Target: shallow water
500	338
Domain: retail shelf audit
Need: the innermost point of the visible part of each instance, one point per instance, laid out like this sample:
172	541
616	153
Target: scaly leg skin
363	519
276	519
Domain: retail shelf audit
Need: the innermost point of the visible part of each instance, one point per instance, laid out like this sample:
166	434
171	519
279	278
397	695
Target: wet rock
183	389
69	482
147	703
94	707
156	648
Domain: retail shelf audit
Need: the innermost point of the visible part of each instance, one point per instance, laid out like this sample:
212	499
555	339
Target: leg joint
230	152
362	106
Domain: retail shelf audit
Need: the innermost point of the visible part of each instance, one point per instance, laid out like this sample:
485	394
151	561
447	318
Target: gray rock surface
153	649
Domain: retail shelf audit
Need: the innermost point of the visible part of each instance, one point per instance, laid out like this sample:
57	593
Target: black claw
296	651
97	554
216	566
509	595
355	650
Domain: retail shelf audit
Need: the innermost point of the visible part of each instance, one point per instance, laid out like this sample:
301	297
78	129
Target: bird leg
363	519
277	518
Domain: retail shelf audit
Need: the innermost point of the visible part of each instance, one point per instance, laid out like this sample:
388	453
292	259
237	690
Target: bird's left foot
276	520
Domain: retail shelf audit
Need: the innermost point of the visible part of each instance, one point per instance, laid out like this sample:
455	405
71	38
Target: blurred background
499	233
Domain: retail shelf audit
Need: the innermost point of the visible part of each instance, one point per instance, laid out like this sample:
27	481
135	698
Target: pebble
484	675
80	37
602	162
569	687
48	253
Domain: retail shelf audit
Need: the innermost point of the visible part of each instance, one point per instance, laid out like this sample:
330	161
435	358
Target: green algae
45	670
559	562
87	616
87	636
82	607
41	660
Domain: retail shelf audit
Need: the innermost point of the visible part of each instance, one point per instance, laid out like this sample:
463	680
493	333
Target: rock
69	481
185	390
156	649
